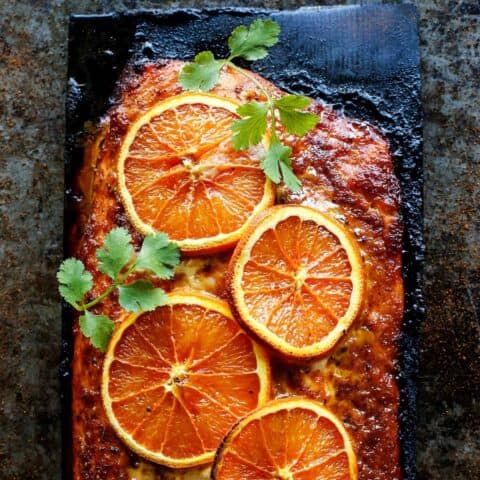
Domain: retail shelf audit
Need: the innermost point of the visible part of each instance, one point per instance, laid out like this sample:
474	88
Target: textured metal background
33	72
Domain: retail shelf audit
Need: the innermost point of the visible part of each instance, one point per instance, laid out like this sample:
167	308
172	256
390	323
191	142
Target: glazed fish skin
347	170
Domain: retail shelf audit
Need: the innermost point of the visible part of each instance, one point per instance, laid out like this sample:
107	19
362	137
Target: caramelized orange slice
175	380
178	173
297	280
288	439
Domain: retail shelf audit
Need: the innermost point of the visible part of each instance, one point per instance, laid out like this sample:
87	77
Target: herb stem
118	281
77	307
253	79
273	129
271	105
98	299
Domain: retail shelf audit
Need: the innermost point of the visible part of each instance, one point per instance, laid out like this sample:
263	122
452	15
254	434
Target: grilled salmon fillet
346	170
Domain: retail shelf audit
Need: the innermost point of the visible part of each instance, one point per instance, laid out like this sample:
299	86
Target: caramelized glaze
346	170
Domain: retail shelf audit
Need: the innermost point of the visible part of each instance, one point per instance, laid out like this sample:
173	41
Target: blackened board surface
363	60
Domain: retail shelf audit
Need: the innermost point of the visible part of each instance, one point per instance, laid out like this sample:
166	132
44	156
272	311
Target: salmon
347	171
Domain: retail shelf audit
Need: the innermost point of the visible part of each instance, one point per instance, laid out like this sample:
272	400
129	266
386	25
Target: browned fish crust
346	169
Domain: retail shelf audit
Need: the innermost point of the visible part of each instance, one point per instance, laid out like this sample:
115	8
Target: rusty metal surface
33	71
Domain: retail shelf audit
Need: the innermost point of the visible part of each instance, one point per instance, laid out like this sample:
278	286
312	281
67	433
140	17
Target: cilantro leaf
293	102
141	295
271	162
202	74
159	255
277	165
289	178
251	128
117	252
98	328
252	43
294	120
74	281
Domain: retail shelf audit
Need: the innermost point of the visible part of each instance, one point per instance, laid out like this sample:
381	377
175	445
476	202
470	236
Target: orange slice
178	173
297	280
288	439
175	380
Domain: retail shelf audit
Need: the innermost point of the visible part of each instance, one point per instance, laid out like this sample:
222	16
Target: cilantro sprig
158	257
257	119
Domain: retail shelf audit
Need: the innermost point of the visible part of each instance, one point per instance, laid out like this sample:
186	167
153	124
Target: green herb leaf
202	74
271	162
74	281
252	43
277	165
159	255
289	178
98	328
141	295
294	120
116	253
252	126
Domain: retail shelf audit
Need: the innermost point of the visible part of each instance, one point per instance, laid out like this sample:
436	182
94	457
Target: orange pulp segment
178	173
297	280
175	380
288	439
